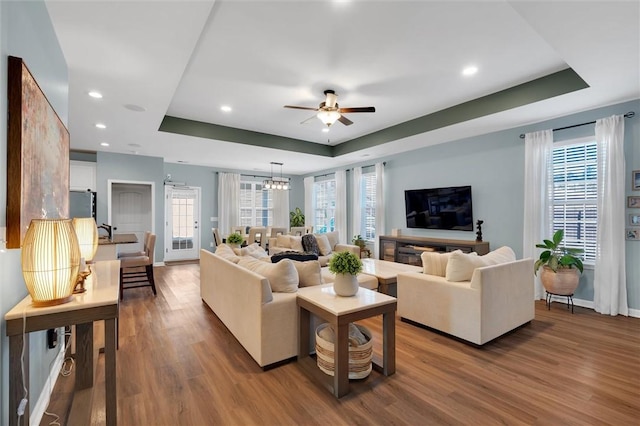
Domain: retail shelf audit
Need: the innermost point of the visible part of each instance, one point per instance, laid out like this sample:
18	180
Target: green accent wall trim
549	86
200	129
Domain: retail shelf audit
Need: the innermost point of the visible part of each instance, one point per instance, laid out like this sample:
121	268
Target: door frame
111	182
167	232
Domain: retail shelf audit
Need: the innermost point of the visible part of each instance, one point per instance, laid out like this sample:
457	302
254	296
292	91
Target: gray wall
493	165
26	32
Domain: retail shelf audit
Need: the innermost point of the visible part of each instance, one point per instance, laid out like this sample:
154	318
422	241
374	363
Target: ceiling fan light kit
278	183
328	117
329	111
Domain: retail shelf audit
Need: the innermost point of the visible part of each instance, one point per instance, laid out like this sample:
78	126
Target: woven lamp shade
50	260
87	233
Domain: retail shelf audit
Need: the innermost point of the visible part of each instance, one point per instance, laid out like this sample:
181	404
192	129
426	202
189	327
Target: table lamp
87	233
50	260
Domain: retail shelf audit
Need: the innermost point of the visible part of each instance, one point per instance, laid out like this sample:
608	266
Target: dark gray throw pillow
293	255
310	245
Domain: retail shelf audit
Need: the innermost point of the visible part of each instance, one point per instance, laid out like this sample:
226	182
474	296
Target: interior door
182	212
131	210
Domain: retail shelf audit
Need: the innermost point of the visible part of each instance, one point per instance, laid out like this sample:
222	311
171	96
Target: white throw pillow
434	263
323	244
296	243
255	250
308	273
283	241
460	266
282	276
333	237
227	253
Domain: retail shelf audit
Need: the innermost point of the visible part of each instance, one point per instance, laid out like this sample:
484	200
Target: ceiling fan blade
300	107
344	120
331	100
308	119
357	109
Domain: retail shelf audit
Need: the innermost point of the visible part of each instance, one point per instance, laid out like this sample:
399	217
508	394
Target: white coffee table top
386	270
324	297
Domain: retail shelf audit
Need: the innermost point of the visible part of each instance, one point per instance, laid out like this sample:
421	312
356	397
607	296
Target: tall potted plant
561	267
346	266
296	217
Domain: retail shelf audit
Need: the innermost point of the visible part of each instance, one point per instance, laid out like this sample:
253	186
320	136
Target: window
256	205
368	203
574	194
325	206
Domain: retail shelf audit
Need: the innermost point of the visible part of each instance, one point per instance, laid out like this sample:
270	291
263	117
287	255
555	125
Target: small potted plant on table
346	266
235	240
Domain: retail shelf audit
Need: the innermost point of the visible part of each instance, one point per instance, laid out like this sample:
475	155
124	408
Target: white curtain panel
341	205
228	201
538	148
309	202
380	206
280	208
356	207
609	283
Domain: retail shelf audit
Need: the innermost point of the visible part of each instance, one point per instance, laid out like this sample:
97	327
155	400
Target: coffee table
387	273
339	312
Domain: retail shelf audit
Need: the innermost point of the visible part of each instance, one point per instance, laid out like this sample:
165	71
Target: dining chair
238	230
145	243
216	237
277	231
301	230
131	275
258	234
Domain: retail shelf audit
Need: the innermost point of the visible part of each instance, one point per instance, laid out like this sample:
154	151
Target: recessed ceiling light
95	94
135	145
182	161
325	130
101	126
225	108
470	70
104	144
136	108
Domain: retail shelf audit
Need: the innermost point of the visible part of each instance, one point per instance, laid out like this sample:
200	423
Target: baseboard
635	313
45	396
158	263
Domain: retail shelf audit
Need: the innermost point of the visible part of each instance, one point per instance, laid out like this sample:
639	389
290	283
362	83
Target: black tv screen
439	208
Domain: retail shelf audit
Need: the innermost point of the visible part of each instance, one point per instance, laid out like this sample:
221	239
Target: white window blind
256	205
368	203
574	195
325	194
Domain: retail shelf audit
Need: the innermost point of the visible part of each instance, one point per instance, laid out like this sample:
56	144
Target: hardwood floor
178	365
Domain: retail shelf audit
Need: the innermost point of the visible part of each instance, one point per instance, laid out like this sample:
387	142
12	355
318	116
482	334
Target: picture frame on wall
633	202
633	234
635	180
37	155
634	220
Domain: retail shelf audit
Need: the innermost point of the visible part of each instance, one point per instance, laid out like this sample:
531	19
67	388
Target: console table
407	249
99	302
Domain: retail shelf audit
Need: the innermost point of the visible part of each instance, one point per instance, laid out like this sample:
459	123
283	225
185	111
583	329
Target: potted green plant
296	217
561	266
358	241
235	239
346	266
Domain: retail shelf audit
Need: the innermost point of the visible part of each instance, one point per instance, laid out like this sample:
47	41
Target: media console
407	249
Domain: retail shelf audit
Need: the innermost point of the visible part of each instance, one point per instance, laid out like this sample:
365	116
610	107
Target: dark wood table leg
84	355
111	400
16	389
341	360
303	334
389	343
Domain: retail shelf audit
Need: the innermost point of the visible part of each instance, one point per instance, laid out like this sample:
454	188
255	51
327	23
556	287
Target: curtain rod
627	115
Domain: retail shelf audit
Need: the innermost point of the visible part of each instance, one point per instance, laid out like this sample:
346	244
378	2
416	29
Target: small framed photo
634	219
635	180
633	234
633	202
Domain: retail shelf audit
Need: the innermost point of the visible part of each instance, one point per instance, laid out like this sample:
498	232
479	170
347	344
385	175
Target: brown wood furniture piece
99	302
339	312
407	249
387	273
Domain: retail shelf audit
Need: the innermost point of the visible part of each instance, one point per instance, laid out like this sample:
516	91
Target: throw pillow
283	241
310	244
255	250
293	255
323	245
333	237
434	263
460	266
308	273
296	243
282	276
227	253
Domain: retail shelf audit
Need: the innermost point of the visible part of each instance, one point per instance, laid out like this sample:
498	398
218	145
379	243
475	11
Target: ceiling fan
329	111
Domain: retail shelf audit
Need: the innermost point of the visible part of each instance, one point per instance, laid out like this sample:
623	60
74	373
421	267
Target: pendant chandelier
277	183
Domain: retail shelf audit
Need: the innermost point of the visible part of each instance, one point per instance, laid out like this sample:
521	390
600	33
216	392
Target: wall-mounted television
439	208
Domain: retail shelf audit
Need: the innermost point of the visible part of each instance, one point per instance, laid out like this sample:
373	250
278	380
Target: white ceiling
187	58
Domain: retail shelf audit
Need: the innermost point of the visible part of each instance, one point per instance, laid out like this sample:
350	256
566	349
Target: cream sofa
495	300
293	243
264	322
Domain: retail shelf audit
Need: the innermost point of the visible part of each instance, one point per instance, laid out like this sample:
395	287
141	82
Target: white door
131	212
182	213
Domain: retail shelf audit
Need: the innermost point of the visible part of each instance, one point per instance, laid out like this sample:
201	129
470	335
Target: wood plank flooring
178	365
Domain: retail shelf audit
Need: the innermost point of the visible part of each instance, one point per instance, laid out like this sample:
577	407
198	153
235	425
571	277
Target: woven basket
359	356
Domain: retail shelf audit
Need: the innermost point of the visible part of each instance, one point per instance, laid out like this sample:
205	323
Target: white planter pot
345	285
